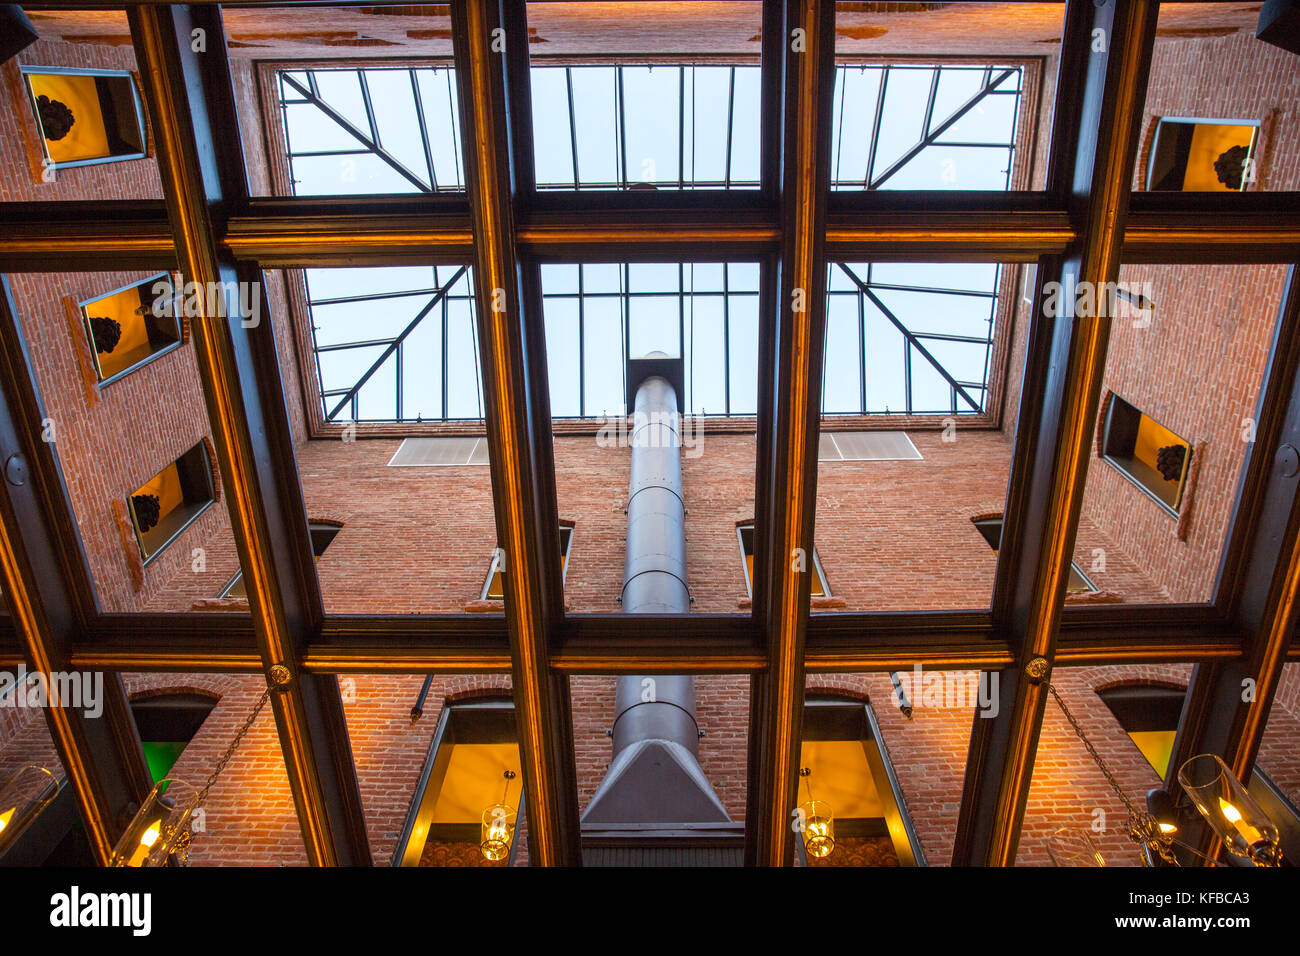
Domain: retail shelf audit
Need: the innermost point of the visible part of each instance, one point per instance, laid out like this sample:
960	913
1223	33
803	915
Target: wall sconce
498	829
22	798
1230	810
818	822
159	828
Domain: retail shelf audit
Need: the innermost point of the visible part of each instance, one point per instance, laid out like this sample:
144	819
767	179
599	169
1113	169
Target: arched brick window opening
851	771
473	746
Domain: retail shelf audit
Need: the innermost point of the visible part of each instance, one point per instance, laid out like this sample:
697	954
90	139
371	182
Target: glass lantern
498	831
158	826
1230	810
22	798
818	828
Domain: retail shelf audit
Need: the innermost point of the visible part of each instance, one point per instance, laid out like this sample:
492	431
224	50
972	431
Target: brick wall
22	178
890	534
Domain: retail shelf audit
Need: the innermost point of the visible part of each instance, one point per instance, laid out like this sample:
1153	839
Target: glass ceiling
902	338
399	344
396	130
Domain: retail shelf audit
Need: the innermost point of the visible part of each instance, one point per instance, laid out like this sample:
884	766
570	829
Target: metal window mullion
424	129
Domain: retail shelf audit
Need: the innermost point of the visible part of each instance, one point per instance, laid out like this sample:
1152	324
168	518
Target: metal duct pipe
655	775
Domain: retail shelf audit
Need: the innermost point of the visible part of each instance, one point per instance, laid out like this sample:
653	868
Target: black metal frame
794	223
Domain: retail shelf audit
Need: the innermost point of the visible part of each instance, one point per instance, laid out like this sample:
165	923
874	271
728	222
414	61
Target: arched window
851	771
473	746
166	724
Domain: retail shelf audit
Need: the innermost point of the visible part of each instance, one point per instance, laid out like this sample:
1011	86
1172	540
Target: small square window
817	586
165	505
131	326
321	536
991	529
1148	454
1194	155
494	588
86	116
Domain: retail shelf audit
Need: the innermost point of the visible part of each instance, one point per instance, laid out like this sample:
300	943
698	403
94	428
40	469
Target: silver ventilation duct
655	778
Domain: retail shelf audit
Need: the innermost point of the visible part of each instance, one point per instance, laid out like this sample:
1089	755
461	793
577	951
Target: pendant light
22	798
1230	810
498	826
817	820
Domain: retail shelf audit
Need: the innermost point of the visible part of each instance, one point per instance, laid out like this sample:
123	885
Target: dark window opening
991	529
131	326
86	116
494	587
170	501
166	724
1150	455
321	536
817	586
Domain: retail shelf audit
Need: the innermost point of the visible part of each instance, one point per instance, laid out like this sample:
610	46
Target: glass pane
366	106
127	420
924	101
672	104
920	397
705	314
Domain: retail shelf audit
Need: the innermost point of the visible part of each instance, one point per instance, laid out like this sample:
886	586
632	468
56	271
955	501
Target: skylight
598	314
395	344
674	126
401	344
609	127
924	127
909	338
374	130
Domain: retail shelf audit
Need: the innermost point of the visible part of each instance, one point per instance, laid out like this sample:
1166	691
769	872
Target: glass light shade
1229	809
22	798
163	819
1072	846
818	828
498	832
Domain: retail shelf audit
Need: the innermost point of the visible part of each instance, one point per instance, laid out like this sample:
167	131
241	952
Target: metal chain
234	744
181	853
1143	828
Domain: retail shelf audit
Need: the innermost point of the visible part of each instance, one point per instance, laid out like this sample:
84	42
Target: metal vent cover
427	452
866	446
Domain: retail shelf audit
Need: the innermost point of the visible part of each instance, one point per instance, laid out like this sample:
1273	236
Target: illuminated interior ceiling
475	780
841	776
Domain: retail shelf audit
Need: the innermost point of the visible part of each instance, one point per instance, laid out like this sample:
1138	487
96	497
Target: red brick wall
136	427
1210	324
21	177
